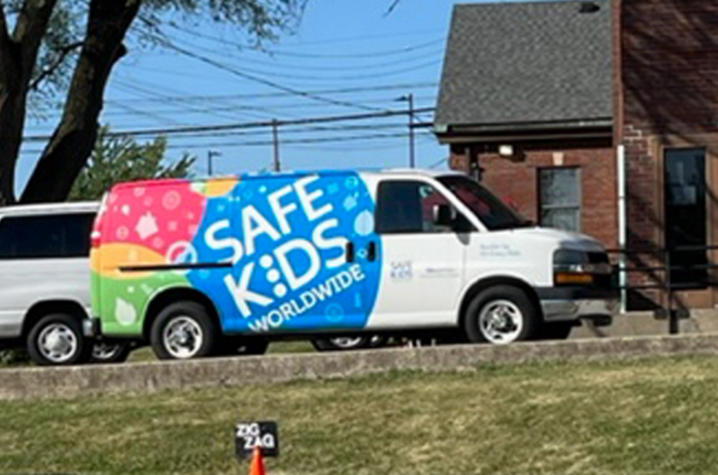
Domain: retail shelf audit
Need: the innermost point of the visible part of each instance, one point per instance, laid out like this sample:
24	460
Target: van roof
50	208
290	173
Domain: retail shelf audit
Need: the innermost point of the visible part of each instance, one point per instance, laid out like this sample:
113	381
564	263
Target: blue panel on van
286	237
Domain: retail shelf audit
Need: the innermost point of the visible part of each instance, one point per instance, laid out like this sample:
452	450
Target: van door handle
350	251
371	251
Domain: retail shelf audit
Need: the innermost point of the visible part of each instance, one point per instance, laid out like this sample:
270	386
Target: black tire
513	304
241	346
361	343
555	331
72	348
201	327
110	352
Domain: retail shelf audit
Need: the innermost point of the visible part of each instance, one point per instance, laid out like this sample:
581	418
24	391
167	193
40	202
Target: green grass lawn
650	416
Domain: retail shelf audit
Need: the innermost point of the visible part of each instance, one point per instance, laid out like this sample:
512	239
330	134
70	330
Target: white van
45	284
197	266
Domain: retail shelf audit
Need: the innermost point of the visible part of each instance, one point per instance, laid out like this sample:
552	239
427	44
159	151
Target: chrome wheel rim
182	337
347	342
57	343
501	322
105	351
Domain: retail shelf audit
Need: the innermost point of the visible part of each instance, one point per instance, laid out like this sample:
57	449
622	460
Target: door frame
657	148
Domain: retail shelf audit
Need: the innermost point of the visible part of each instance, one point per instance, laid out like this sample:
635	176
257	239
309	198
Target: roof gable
527	63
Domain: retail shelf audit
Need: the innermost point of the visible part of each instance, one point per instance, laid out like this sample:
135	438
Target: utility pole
412	155
210	154
412	158
275	136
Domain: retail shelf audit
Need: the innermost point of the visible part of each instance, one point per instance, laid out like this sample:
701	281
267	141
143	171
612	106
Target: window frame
10	217
579	193
420	182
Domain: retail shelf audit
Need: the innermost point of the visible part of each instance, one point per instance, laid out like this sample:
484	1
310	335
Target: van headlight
571	267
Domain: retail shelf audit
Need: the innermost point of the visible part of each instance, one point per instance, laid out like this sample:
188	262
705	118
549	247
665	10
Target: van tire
514	315
240	346
555	331
350	343
70	345
110	353
191	322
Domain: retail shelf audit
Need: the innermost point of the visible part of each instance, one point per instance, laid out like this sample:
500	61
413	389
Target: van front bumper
565	304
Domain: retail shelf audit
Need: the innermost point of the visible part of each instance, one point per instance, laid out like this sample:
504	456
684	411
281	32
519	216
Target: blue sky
339	45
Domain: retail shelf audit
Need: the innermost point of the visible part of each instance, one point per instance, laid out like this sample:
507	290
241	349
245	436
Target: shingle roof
513	63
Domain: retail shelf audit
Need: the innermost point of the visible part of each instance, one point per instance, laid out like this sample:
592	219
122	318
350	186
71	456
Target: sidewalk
645	323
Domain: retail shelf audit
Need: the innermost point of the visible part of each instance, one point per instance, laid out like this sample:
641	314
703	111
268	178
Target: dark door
685	212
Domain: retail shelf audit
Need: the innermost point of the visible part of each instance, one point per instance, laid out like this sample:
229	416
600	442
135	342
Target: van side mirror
444	215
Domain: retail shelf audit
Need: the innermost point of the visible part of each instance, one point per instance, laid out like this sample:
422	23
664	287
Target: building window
560	192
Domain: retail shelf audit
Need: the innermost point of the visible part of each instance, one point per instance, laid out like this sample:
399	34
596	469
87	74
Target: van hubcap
182	337
105	351
347	342
501	321
57	343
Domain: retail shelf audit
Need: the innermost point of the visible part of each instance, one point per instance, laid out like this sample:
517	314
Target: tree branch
71	143
64	51
4	38
391	7
30	28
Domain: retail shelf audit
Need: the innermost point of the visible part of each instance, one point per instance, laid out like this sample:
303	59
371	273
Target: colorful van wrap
270	251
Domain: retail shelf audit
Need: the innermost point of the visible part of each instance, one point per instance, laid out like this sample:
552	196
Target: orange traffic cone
257	466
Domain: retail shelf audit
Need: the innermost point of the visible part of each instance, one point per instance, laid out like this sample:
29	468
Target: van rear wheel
500	315
183	330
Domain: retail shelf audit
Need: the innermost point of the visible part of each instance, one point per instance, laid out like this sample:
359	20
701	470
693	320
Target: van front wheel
57	339
182	331
500	315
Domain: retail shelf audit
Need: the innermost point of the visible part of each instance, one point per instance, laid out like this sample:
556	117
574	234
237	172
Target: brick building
555	105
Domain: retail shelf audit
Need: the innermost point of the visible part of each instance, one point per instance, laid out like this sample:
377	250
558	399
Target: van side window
407	207
49	236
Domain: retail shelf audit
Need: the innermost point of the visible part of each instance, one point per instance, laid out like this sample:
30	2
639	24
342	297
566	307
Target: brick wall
667	84
669	87
515	180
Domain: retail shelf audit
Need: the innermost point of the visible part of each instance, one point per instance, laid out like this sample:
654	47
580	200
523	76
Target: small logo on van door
401	270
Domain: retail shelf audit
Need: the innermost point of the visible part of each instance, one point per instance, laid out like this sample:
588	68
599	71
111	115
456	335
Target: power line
255	143
245	125
221	40
172	107
292	131
262	143
260	80
353	77
190	107
344	90
345	56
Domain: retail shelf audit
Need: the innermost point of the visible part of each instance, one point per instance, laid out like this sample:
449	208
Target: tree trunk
74	137
12	118
18	54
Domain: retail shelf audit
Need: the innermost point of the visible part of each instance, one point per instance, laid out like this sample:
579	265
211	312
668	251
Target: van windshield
490	210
